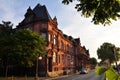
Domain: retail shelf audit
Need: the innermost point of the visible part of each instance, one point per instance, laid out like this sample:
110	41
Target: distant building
64	53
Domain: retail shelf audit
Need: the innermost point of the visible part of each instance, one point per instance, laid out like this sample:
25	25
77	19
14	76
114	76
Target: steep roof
77	40
1	25
41	12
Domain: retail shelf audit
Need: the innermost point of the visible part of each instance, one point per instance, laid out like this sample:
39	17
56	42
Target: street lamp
38	58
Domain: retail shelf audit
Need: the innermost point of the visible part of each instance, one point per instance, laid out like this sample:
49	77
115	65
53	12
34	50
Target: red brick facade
65	54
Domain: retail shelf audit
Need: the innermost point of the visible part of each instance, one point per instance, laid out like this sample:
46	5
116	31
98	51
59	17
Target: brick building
64	53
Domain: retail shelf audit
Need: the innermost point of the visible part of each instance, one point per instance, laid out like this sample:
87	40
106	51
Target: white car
83	71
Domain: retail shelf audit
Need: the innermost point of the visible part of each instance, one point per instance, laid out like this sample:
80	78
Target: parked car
83	71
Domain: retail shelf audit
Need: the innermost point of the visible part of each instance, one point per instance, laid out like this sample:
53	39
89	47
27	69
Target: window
58	58
55	40
44	25
62	45
63	61
28	28
54	57
44	35
29	18
68	48
49	37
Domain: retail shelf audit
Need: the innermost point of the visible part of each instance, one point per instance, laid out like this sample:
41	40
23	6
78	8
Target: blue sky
69	21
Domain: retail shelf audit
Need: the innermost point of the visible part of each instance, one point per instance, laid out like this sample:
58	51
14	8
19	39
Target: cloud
10	11
69	21
14	10
92	36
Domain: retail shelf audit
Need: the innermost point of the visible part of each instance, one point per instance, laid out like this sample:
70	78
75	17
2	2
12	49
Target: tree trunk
6	70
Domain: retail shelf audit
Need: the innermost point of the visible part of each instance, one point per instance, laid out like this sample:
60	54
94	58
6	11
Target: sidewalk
52	78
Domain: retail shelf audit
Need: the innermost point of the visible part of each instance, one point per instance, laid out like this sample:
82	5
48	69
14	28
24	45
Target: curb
52	78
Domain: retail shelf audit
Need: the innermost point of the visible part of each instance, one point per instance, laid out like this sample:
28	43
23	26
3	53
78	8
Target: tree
102	11
106	52
7	44
19	47
93	61
29	47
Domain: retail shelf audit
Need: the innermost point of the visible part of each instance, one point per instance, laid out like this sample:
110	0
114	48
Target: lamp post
38	58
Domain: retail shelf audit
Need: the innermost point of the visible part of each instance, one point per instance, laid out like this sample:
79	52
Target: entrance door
50	64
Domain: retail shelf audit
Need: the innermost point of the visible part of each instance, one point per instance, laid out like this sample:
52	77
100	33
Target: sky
69	21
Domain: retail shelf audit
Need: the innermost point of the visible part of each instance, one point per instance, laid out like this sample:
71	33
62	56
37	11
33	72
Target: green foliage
111	74
102	11
7	43
100	70
29	46
21	47
93	61
106	52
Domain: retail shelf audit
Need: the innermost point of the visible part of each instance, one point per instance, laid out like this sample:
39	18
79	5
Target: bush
100	70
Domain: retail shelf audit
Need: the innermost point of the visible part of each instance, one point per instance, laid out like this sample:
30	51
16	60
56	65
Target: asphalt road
90	76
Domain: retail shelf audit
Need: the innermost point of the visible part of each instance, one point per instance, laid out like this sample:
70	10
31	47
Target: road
90	76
